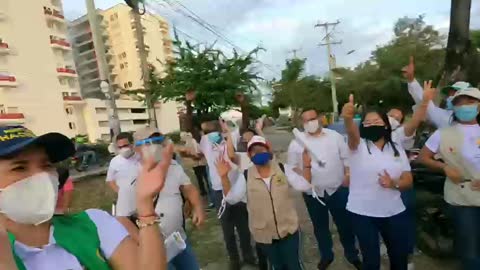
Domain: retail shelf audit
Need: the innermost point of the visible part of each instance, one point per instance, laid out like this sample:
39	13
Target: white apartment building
38	80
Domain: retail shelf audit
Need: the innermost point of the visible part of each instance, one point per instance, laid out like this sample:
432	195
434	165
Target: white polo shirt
124	172
331	149
399	136
212	153
367	197
110	232
170	204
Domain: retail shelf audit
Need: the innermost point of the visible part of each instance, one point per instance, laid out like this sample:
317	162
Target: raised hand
259	123
385	180
409	70
190	95
428	92
348	111
152	180
223	167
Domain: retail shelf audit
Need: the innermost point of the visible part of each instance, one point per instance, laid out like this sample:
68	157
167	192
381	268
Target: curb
88	174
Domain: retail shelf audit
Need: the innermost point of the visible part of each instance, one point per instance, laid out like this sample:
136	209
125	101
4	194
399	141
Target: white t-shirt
124	172
367	197
170	205
212	153
471	146
331	149
399	136
110	232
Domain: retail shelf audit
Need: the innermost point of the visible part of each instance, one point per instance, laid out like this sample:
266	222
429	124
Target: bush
174	136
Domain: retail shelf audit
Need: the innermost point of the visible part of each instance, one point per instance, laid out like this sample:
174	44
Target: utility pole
294	51
152	115
104	73
331	59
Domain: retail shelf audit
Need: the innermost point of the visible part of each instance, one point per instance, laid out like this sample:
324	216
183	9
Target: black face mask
373	133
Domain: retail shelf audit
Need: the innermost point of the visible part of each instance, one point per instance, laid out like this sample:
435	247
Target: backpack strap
282	167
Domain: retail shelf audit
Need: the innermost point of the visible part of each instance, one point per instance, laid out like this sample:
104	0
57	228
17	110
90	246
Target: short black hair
310	109
124	135
248	130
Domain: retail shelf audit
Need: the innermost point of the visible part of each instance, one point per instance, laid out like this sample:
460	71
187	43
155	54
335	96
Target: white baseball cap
257	140
470	92
458	86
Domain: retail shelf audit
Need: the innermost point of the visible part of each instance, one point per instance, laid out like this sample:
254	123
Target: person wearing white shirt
169	204
439	117
213	146
459	149
272	215
379	170
122	173
329	185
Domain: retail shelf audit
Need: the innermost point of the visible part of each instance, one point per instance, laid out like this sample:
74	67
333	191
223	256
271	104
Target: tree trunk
245	108
458	45
189	117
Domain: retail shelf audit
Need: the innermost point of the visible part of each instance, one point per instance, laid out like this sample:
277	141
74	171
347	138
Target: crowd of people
362	179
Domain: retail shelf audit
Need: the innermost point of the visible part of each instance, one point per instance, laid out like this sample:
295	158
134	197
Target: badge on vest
280	180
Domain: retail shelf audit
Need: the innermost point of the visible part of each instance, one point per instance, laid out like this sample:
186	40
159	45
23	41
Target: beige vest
271	215
451	144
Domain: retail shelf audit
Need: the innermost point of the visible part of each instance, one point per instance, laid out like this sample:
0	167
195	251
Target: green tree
215	81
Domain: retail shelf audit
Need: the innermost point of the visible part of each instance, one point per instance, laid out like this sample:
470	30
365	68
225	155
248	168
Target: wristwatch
396	186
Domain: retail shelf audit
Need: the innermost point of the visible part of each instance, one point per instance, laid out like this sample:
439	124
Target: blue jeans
392	230
336	204
408	198
466	220
284	253
184	261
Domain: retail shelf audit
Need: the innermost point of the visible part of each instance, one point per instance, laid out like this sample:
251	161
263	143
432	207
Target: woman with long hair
379	170
459	149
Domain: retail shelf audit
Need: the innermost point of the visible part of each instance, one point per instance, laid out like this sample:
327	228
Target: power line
209	27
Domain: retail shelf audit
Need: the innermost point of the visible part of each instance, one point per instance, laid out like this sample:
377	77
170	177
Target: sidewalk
78	176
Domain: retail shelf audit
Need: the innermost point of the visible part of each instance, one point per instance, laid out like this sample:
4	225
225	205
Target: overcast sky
282	25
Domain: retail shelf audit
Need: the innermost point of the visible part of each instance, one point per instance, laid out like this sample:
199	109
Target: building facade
38	80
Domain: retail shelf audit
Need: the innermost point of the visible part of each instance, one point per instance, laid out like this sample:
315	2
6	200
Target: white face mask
126	152
393	122
152	151
311	126
31	200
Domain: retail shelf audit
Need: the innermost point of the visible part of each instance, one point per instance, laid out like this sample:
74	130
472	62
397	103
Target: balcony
7	80
60	43
53	14
66	72
12	118
72	100
4	48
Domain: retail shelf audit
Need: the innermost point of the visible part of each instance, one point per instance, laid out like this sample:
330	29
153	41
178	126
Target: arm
113	185
415	90
294	154
130	227
297	181
405	181
191	193
426	157
351	128
237	191
419	115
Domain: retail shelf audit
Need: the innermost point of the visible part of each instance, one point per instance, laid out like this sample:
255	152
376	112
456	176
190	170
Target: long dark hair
388	134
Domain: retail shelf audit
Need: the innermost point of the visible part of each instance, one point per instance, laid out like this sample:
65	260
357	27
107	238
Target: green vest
78	235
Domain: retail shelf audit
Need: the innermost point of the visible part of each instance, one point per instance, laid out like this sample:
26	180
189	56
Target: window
125	64
62	81
138	110
125	85
64	94
124	54
101	110
69	110
121	66
2	108
71	125
130	84
140	122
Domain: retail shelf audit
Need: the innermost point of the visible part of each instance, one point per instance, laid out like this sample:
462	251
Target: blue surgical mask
261	159
466	113
449	103
215	137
